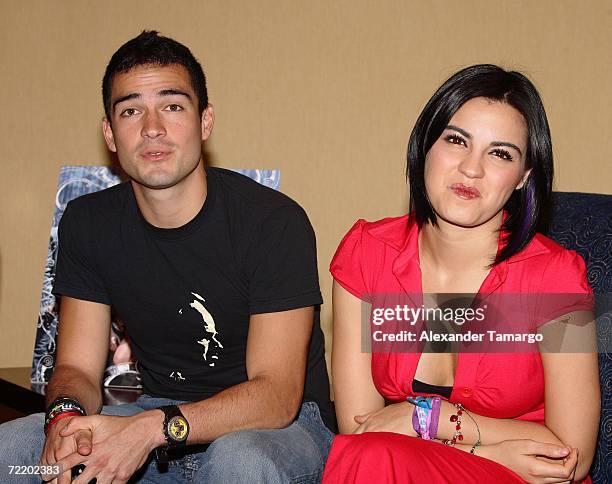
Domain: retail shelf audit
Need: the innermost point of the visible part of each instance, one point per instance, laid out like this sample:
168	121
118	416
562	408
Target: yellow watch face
178	428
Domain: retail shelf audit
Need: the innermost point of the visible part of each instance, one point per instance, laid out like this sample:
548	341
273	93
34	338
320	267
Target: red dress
382	257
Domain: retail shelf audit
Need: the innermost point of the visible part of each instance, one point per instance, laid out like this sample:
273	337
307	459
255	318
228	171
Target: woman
480	169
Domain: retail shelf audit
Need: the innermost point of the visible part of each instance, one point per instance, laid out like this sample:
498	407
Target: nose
471	166
152	125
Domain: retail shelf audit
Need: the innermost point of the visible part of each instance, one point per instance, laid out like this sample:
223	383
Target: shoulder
544	250
366	253
252	198
391	232
560	269
100	202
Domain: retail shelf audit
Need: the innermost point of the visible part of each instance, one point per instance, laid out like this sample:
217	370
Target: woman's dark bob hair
528	207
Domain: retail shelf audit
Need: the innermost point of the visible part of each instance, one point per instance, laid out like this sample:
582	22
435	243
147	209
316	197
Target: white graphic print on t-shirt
209	327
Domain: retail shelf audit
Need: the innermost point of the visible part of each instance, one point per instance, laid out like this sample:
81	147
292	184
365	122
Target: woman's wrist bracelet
456	419
425	416
478	442
457	435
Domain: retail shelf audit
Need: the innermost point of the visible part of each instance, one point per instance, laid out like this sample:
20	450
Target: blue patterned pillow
583	222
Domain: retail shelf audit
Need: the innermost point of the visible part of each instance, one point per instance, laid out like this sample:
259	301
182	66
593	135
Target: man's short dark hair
150	48
528	207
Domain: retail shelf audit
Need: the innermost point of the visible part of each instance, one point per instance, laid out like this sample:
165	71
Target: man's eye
503	154
174	107
455	139
128	112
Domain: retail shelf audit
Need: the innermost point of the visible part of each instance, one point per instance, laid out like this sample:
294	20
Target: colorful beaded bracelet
425	416
60	406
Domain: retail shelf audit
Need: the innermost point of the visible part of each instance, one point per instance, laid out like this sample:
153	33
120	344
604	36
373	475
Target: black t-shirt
186	294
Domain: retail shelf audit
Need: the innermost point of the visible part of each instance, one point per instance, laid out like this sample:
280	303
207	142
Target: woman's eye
174	107
503	154
455	139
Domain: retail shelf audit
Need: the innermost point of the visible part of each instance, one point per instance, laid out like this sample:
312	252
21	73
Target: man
215	278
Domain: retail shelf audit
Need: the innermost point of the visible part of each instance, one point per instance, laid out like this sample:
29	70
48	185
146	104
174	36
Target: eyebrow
127	97
507	144
459	130
163	92
494	143
173	92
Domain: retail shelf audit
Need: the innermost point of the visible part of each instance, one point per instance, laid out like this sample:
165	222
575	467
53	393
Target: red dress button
466	392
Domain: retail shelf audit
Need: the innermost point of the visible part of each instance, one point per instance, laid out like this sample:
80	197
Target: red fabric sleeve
565	287
346	265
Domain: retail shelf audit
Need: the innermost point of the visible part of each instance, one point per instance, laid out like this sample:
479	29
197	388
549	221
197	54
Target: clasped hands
535	462
111	448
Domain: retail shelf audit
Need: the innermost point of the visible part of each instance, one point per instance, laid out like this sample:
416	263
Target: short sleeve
282	263
346	265
565	287
75	274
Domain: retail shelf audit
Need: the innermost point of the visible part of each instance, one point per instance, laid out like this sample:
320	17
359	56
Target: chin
155	183
465	220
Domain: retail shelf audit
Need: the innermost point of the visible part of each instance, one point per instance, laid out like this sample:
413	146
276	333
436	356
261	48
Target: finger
571	462
50	456
362	418
88	475
552	451
572	456
51	476
74	424
83	441
550	472
66	477
72	460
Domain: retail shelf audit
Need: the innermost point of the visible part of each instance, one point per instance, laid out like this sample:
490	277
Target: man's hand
524	458
120	445
57	447
393	418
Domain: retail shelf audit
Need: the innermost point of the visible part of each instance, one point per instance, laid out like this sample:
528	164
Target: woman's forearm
492	430
500	431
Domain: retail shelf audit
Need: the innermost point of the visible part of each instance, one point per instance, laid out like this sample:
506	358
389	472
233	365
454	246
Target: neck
173	207
450	248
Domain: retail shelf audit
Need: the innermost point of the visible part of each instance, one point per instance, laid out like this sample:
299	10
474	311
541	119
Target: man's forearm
257	403
68	381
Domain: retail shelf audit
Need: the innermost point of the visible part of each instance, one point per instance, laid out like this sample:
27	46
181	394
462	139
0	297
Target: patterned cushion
583	222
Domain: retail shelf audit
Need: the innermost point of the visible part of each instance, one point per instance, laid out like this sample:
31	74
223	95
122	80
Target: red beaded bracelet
456	419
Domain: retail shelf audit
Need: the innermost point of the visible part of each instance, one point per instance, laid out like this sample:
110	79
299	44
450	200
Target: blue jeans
293	454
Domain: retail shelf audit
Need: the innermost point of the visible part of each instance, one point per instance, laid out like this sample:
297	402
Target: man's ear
107	131
523	180
208	120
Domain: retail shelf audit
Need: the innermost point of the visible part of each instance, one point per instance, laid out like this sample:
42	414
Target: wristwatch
176	431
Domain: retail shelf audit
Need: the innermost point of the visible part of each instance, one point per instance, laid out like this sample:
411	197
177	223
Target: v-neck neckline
467	363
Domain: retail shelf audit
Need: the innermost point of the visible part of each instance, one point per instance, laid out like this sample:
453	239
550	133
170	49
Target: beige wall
326	91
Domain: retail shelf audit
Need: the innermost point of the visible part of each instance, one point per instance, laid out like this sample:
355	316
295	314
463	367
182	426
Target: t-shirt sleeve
346	265
565	287
75	273
282	263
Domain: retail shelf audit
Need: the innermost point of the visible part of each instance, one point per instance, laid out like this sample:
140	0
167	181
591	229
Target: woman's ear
523	180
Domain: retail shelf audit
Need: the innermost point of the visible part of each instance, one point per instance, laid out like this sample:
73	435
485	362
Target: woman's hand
395	418
535	462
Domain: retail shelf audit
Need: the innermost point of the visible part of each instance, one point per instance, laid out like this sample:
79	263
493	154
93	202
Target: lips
464	192
152	154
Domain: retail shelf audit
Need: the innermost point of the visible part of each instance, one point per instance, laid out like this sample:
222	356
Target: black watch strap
176	427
